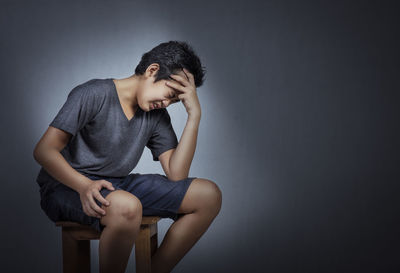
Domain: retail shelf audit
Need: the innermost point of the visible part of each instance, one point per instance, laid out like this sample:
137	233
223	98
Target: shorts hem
173	212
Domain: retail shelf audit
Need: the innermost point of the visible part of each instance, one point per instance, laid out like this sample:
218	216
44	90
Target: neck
127	88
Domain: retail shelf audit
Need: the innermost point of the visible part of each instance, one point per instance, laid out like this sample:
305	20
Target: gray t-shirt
104	142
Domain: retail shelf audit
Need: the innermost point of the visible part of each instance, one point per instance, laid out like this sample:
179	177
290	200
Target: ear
152	69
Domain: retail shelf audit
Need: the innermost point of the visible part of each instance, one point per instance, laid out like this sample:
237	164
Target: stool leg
76	253
153	244
143	250
146	245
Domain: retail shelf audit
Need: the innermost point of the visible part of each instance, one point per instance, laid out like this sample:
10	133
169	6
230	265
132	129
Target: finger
179	79
94	205
101	198
90	212
108	185
176	86
189	75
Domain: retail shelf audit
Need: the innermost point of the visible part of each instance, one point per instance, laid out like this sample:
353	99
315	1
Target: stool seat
76	245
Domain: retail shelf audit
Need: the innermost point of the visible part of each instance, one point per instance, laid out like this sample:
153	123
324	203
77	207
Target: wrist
84	183
193	123
194	117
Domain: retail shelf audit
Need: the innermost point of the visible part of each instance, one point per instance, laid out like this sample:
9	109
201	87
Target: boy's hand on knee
92	191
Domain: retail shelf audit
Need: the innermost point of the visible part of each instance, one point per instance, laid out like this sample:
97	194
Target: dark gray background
299	124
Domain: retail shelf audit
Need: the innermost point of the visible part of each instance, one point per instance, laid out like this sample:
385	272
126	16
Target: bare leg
201	205
122	223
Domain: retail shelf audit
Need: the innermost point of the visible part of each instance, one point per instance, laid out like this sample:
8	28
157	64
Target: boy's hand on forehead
186	91
175	80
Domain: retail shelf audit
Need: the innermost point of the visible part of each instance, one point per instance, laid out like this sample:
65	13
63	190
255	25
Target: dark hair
172	56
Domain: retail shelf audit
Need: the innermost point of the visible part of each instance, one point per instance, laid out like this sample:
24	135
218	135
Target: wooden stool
76	245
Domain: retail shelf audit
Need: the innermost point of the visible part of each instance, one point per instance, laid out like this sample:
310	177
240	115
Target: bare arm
181	159
182	156
47	154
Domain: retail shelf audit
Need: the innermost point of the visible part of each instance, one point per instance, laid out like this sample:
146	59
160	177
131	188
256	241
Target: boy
97	138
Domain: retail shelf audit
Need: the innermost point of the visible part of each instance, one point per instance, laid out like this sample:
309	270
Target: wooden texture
76	245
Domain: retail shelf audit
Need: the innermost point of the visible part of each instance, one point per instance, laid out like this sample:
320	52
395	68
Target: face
157	95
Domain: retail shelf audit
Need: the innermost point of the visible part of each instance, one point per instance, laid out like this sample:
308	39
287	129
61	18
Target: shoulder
90	95
96	87
93	91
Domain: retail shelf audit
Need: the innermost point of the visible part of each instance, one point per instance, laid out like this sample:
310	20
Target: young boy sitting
96	140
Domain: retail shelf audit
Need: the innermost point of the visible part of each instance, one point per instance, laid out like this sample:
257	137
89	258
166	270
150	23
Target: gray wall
299	124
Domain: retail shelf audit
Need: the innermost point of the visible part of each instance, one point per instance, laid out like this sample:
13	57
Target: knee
211	195
124	206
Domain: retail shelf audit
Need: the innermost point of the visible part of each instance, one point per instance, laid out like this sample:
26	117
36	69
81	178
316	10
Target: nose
166	103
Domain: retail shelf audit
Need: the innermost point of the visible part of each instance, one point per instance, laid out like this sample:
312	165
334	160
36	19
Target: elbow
177	174
36	153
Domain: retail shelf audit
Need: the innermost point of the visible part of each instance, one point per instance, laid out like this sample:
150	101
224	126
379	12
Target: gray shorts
159	197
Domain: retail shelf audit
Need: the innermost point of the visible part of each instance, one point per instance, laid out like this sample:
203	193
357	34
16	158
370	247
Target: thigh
62	203
159	195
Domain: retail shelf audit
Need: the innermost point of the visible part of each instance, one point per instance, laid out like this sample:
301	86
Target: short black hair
172	56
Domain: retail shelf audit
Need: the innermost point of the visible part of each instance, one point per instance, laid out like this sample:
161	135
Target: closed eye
175	100
173	96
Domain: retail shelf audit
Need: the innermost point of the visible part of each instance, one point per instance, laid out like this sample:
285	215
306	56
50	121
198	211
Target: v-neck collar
121	110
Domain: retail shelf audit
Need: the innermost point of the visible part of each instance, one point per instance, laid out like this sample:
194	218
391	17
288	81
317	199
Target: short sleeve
163	137
79	109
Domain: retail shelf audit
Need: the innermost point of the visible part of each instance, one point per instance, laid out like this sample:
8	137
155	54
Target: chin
149	107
